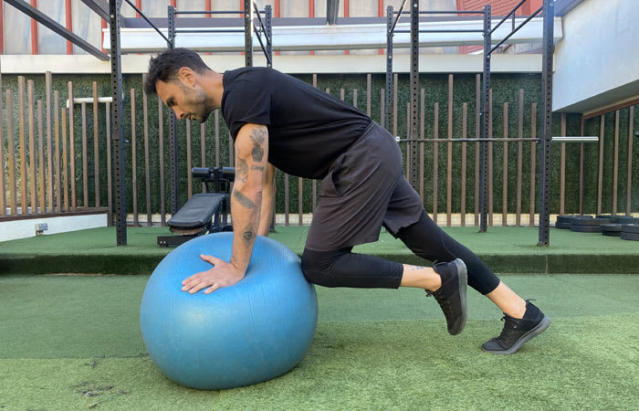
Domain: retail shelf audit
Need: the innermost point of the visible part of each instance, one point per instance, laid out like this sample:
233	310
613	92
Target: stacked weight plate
611	230
630	232
588	225
565	221
615	228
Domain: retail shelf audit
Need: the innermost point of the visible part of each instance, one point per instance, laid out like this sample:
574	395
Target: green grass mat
73	343
504	249
498	240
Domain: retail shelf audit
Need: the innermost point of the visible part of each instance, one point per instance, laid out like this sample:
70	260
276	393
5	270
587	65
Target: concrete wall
13	230
597	62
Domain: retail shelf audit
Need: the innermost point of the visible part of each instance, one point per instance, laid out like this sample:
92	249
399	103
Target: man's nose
178	113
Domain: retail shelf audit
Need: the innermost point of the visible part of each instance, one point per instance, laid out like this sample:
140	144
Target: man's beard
201	101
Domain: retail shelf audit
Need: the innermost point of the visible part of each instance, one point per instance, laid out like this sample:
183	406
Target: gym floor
72	341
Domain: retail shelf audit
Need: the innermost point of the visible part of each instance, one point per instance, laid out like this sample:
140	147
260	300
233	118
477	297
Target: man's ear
187	76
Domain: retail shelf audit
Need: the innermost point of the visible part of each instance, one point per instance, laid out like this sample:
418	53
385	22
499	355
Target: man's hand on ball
222	274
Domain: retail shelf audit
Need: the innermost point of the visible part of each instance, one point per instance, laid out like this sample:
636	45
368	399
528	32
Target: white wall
597	62
12	230
428	63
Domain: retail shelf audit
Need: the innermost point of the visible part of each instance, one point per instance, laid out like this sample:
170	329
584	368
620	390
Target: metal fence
55	158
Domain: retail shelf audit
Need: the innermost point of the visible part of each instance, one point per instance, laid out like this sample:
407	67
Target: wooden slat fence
44	166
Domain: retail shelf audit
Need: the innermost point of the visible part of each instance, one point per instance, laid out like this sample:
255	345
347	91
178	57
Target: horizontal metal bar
48	22
452	31
201	21
209	12
444	31
324	37
462	140
581	139
507	15
89	100
148	21
562	139
208	31
516	30
446	12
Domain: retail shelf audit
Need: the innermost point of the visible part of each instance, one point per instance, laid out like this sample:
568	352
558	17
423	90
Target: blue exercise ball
256	330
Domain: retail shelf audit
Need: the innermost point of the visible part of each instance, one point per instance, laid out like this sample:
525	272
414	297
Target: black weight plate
563	225
586	228
570	218
611	227
630	236
630	228
611	233
586	222
624	219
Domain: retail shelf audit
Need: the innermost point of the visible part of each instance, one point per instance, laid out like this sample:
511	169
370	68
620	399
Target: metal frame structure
116	83
546	138
111	11
117	127
173	30
59	29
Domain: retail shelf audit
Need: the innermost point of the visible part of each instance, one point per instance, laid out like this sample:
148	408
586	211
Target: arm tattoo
248	235
243	200
258	137
242	170
258	168
257	153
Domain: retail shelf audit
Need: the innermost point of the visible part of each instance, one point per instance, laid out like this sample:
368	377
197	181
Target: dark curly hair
165	66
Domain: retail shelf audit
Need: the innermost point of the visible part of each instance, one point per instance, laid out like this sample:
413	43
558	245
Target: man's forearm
266	211
251	149
245	209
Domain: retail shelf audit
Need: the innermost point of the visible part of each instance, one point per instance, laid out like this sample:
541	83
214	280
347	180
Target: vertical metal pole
248	33
545	159
389	68
173	149
269	33
118	127
485	88
414	86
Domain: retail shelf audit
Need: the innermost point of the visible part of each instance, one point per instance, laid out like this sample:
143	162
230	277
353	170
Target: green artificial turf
504	249
73	343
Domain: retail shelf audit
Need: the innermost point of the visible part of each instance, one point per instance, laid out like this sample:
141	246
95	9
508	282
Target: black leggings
342	268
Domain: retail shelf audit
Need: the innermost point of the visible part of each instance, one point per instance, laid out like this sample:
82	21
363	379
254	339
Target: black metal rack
548	48
111	10
116	82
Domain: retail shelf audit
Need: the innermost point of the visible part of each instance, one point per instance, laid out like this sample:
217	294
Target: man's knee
317	266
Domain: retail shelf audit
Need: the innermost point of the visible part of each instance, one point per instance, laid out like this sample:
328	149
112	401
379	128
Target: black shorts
363	190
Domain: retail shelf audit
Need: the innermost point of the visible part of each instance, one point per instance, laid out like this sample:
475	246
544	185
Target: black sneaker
451	296
517	331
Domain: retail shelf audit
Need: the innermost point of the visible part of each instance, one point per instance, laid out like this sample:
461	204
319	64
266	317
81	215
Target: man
277	120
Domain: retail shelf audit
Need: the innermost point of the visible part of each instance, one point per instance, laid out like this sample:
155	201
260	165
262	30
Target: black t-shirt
308	129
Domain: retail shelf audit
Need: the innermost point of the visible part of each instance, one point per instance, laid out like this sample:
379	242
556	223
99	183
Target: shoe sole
462	274
539	328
